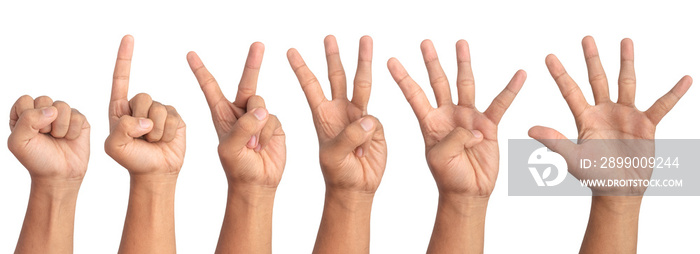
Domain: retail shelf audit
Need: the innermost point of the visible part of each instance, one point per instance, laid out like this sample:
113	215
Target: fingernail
367	124
251	143
359	151
48	112
476	133
258	148
144	123
260	113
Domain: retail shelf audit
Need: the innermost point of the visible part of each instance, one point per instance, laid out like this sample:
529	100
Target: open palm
607	129
460	142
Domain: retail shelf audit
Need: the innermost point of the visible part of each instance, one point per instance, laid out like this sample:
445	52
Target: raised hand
351	142
608	129
253	153
460	142
461	146
51	140
352	148
251	141
148	139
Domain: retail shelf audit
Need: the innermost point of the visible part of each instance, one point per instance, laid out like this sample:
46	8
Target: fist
147	137
51	139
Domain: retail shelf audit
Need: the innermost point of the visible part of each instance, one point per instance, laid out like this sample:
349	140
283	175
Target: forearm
459	225
150	218
48	223
247	226
345	225
612	226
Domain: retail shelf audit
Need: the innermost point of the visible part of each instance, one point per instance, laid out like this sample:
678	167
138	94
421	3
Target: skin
352	148
52	141
253	154
613	222
148	139
461	147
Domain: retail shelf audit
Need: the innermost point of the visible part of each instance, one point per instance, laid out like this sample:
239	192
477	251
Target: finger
596	74
24	103
272	127
127	128
353	136
501	103
455	143
172	123
571	92
78	122
29	124
309	82
438	80
249	79
255	102
627	80
59	127
43	102
363	76
336	73
664	104
122	69
412	91
245	131
206	81
140	105
465	76
158	114
553	140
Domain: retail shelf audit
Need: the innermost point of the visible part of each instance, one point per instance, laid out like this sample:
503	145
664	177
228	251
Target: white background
67	51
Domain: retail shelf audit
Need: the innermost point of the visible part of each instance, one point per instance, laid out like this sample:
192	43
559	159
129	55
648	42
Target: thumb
29	124
246	131
126	130
553	140
455	142
353	136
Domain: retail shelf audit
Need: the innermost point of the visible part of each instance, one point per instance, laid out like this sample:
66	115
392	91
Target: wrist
468	206
156	184
349	200
57	190
617	204
251	194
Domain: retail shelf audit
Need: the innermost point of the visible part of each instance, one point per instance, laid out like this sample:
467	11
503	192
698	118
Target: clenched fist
146	137
51	139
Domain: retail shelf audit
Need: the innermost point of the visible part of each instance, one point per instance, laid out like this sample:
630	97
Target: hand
251	141
50	139
146	137
607	129
351	143
460	142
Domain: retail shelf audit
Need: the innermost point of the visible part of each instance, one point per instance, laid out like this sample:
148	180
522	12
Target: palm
460	163
49	156
472	170
607	129
365	171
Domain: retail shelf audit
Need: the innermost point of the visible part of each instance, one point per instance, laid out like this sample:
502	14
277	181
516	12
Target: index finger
209	86
120	79
309	82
